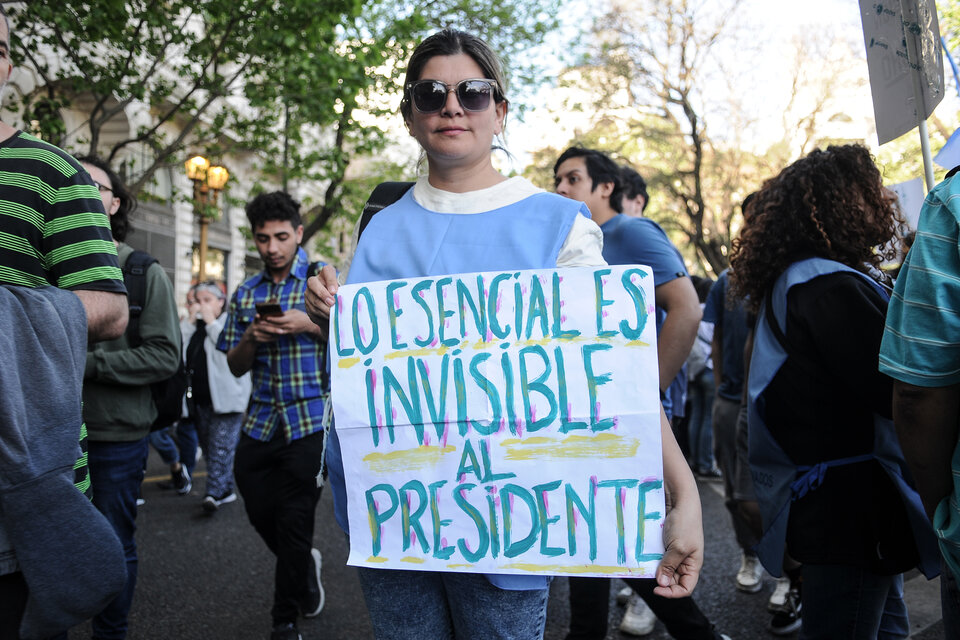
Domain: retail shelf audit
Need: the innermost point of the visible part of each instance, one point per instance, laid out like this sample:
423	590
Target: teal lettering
619	487
376	517
565	424
639	305
493	303
538	308
411	521
509	399
443	314
557	331
488	474
513	549
438	407
538	386
411	404
643	516
491	391
483	535
417	294
540	491
594	381
372	311
342	352
601	302
393	313
441	550
494	526
469	463
588	514
478	308
370	382
460	389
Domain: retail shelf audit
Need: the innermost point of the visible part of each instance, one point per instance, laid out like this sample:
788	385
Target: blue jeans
949	601
162	441
116	471
700	394
852	603
187	442
411	605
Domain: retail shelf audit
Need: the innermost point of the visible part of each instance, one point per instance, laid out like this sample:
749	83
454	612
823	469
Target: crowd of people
820	394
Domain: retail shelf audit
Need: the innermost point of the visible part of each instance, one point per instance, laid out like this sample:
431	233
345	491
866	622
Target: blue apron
777	480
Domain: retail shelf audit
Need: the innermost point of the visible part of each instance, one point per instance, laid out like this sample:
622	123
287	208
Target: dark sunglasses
429	96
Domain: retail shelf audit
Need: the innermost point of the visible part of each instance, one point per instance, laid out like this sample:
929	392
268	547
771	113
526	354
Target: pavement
210	577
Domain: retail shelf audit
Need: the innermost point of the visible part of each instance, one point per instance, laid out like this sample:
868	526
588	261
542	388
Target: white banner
502	422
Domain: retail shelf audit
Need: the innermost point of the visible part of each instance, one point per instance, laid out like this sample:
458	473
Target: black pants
13	602
278	482
590	609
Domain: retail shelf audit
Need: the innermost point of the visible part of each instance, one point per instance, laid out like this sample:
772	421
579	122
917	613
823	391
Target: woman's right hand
320	296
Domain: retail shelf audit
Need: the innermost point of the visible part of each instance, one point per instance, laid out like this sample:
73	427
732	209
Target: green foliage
285	80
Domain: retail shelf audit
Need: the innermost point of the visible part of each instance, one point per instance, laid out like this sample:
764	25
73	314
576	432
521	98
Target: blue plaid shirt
287	389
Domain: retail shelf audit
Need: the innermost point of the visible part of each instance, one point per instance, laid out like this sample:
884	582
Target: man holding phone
278	457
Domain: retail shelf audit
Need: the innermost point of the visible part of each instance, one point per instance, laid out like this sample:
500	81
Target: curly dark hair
278	205
830	204
119	221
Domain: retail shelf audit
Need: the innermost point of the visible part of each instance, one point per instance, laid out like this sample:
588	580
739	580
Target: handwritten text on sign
501	422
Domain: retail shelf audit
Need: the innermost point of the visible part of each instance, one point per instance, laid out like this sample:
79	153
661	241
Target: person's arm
926	421
158	355
107	313
679	299
716	353
321	295
682	560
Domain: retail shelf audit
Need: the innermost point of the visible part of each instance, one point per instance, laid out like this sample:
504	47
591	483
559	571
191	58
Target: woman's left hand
682	559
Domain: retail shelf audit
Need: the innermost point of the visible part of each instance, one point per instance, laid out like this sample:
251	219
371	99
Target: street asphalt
204	577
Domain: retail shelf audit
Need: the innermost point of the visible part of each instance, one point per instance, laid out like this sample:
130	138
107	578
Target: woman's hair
211	286
119	221
830	204
451	42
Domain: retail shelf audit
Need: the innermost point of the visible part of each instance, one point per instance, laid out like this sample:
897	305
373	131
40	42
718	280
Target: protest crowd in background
819	393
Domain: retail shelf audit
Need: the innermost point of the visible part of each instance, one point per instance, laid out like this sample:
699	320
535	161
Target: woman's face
205	298
453	136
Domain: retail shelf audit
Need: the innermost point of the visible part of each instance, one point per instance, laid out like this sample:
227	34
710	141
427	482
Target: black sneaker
285	631
787	620
181	480
314	598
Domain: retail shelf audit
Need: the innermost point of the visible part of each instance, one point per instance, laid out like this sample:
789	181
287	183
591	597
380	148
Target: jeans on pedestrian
187	443
218	434
725	417
949	601
700	394
278	482
116	471
441	605
850	602
163	442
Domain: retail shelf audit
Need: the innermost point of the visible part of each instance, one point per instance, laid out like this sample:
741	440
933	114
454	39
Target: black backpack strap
952	172
384	194
135	280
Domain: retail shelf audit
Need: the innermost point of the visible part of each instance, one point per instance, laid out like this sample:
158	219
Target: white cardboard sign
501	422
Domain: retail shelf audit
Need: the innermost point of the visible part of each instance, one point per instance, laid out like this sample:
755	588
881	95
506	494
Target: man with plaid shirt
281	444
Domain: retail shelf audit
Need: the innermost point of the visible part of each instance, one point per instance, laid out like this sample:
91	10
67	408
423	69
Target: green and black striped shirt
53	231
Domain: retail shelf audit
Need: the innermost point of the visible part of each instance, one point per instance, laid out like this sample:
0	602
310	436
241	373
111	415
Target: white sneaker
778	599
623	596
750	575
638	619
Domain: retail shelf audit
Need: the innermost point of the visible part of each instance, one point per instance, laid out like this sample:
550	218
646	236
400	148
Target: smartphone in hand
268	309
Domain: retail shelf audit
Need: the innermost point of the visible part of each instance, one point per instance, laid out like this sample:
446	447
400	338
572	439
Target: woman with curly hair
827	468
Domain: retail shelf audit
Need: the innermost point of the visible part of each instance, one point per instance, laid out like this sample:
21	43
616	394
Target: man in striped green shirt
53	232
921	351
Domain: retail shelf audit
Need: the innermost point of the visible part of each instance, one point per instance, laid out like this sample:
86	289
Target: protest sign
501	422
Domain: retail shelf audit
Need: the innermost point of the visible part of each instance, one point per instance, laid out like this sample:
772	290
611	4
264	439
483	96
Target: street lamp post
208	181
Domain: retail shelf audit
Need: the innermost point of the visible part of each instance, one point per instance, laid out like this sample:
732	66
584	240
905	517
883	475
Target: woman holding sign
463	217
824	456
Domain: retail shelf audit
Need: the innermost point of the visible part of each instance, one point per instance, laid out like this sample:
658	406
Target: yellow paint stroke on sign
346	363
413	560
459	566
637	343
577	569
406	459
377	559
602	445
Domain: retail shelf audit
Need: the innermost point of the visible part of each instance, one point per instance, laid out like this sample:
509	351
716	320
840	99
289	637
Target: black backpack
384	194
167	394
